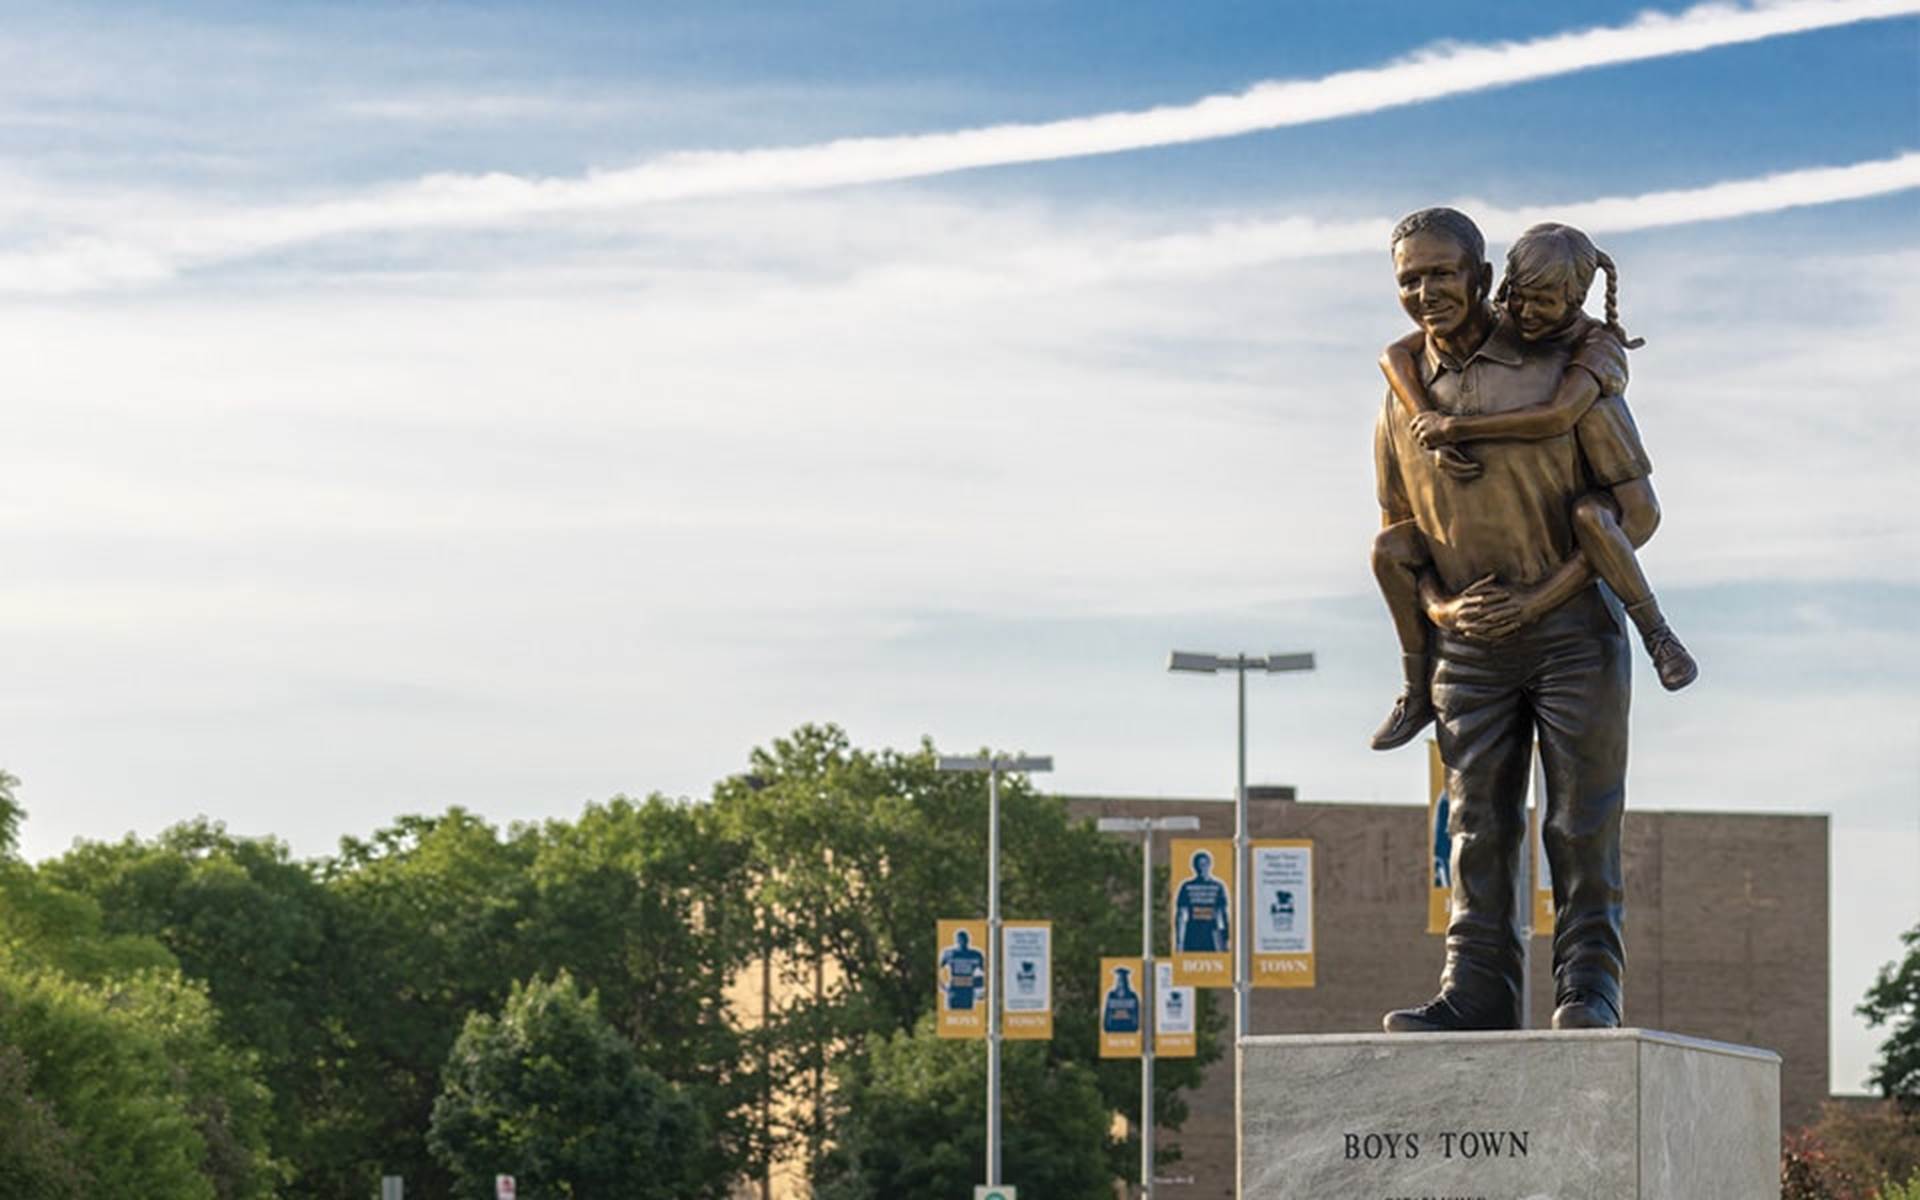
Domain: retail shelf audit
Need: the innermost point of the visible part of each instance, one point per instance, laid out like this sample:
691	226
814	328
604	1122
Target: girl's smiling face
1540	310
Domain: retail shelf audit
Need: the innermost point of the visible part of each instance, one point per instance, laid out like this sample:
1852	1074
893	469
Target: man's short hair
1448	222
1198	855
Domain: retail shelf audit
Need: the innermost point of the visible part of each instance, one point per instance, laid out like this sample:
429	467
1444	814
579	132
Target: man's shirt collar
1502	346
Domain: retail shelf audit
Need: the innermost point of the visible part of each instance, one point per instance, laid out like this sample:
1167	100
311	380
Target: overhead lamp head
1183	660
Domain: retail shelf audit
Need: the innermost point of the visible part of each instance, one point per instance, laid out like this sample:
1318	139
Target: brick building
1726	938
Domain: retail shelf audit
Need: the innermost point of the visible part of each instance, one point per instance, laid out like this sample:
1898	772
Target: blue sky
406	406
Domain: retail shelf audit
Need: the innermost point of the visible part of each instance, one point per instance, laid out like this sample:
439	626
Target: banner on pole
1173	1020
1439	852
1542	870
1120	1008
1282	894
1202	878
962	981
1026	955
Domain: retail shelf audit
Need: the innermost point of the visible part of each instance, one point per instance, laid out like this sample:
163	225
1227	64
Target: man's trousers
1565	679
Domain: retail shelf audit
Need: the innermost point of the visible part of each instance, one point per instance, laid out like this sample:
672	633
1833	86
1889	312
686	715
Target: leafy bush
1910	1190
550	1093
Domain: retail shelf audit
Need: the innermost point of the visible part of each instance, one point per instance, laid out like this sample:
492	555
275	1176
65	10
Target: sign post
1156	978
503	1187
993	765
1239	664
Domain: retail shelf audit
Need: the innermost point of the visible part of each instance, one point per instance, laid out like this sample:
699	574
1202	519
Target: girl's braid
1613	302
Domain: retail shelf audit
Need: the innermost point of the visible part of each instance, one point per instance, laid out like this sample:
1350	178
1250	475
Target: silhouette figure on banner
1200	909
1121	1012
966	971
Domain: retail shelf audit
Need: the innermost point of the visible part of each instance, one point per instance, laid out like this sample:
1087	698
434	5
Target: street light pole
993	765
1150	982
1240	664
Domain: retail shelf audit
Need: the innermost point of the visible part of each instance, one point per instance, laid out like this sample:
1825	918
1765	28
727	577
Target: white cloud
1241	244
932	261
143	246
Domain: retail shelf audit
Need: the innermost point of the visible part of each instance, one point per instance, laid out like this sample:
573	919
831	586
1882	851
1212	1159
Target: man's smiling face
1441	287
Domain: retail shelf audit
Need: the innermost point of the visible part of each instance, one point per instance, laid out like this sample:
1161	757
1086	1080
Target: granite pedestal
1614	1114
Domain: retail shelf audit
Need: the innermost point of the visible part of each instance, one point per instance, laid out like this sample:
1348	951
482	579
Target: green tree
11	815
632	900
157	1107
448	912
1894	1000
47	925
549	1092
100	1032
434	927
38	1156
270	944
914	1123
1909	1190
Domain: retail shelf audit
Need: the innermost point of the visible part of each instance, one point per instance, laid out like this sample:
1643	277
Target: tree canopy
1894	1001
911	1122
550	1093
300	1027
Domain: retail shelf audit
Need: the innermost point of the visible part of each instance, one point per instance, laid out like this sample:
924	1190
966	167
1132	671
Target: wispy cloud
1247	243
142	250
1066	260
93	262
1427	75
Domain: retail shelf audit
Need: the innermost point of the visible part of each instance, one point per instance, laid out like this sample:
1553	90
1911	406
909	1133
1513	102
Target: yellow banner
1203	906
1175	1015
962	981
1282	893
1439	847
1542	871
1121	1008
1026	954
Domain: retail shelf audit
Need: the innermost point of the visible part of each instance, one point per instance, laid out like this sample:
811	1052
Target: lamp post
993	765
1149	983
1239	664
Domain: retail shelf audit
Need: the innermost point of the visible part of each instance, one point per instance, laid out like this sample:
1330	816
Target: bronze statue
1488	560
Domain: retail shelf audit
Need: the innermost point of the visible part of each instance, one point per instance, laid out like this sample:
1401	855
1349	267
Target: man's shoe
1586	1010
1412	712
1442	1014
1671	662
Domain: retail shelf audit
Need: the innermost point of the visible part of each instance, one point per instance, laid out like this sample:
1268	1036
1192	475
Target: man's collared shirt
1515	521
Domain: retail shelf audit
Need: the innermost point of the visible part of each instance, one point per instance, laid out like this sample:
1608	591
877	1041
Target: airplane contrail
145	253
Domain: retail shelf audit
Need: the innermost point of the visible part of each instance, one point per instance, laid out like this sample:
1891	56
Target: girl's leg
1608	550
1399	555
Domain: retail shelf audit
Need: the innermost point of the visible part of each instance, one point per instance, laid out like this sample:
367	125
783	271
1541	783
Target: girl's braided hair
1552	255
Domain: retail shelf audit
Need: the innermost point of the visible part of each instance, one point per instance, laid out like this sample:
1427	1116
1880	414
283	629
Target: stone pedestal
1615	1114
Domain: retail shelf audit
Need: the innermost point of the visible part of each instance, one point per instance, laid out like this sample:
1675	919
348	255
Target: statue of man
1524	644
